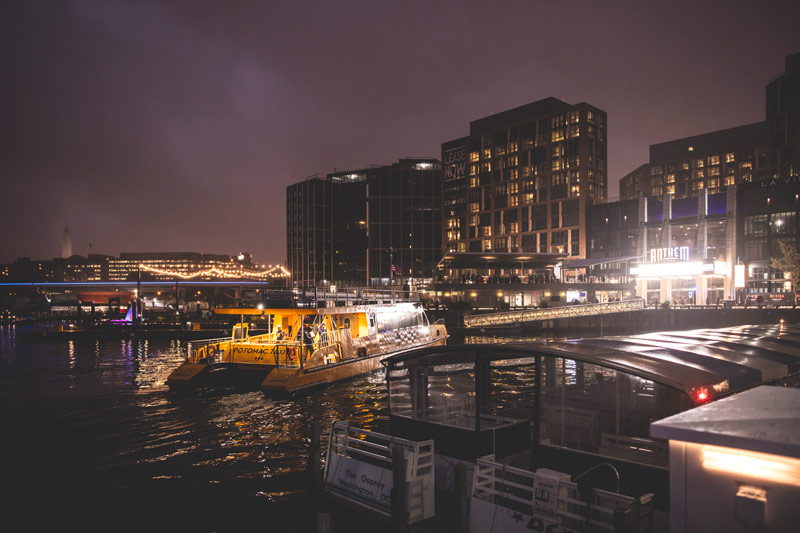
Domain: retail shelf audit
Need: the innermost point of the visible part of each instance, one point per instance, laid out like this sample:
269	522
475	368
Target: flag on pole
397	270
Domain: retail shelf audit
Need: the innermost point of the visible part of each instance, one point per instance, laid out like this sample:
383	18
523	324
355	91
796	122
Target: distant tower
66	243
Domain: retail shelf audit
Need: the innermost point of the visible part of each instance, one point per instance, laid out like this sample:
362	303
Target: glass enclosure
561	402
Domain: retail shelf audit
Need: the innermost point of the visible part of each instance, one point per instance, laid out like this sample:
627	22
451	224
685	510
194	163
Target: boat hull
282	381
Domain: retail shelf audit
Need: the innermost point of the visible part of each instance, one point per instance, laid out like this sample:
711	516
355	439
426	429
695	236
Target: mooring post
399	513
321	516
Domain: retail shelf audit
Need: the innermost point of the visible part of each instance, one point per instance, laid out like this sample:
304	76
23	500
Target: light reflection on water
95	419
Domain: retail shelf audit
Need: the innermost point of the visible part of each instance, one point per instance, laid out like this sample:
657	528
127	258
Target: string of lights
272	272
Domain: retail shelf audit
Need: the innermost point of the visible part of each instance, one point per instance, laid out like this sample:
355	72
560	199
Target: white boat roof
764	419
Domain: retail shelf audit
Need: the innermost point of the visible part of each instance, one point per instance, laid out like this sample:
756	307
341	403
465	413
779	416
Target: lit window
474	156
574	117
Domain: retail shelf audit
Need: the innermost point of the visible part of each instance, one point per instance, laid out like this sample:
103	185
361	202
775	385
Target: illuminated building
521	181
350	227
189	265
676	249
768	212
704	249
712	161
166	266
715	160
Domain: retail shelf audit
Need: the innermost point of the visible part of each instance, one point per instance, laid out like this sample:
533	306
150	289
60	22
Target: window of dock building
575	243
558	242
570	213
783	223
595	409
555	219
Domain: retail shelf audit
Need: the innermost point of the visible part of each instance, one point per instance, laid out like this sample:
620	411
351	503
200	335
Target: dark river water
93	440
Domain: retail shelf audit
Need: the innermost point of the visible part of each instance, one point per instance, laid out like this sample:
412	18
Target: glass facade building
350	228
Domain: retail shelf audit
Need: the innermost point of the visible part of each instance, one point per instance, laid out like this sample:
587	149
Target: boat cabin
571	405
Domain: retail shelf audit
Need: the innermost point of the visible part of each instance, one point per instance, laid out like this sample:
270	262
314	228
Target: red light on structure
701	395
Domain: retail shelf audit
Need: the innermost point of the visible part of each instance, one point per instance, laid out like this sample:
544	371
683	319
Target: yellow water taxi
308	347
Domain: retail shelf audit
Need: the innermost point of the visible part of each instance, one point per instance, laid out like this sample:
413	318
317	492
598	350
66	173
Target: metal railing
498	485
360	466
551	313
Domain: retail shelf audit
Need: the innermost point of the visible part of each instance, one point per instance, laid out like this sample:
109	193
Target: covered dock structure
572	405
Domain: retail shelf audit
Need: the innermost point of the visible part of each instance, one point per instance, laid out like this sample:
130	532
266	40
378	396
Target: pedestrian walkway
508	318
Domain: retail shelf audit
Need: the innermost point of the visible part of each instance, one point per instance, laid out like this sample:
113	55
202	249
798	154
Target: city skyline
159	127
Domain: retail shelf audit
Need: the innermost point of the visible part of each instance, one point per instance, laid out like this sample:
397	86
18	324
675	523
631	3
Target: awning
486	260
583	263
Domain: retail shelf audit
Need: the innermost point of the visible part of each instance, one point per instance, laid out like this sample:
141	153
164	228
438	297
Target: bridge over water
511	318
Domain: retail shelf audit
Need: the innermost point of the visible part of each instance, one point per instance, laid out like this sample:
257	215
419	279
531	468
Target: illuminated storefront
687	248
672	275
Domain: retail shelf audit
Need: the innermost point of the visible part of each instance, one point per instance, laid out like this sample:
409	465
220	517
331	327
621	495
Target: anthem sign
674	253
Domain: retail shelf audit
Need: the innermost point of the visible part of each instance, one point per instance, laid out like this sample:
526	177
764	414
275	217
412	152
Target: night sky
176	126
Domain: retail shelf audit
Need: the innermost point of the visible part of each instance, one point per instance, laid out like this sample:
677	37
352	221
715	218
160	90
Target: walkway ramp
512	318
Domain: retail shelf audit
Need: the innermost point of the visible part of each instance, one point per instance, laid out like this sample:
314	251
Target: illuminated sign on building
680	253
455	163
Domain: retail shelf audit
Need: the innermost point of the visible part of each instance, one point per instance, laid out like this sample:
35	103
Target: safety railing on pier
507	499
360	467
551	313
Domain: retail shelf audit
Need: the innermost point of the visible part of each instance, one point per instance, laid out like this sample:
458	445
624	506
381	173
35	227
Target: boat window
238	333
512	389
595	409
371	318
442	394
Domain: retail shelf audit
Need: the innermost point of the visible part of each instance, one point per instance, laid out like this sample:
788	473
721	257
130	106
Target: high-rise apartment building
783	120
712	161
366	226
522	179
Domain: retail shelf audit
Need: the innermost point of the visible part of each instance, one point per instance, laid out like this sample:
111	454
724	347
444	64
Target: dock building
368	226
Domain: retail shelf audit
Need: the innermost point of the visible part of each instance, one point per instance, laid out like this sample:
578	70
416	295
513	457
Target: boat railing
199	349
360	467
551	497
311	297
